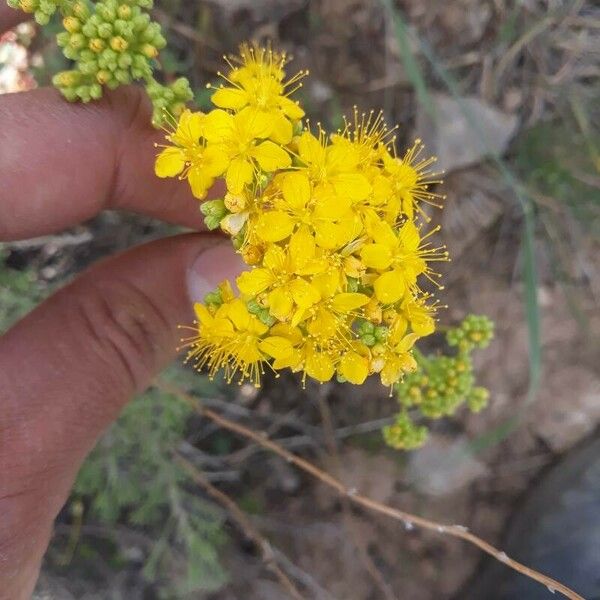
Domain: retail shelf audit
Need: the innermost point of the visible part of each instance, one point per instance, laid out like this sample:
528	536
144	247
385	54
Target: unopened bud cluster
442	383
111	43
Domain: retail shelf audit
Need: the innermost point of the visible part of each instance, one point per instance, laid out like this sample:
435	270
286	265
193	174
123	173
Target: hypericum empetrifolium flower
329	225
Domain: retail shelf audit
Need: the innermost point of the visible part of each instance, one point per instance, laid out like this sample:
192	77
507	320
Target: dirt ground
512	62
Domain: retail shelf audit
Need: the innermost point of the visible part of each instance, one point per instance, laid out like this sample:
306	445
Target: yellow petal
376	256
354	367
302	248
282	131
218	125
352	185
214	161
291	333
204	317
298	316
220	328
310	149
238	175
226	290
276	347
327	283
270	156
232	98
382	189
200	182
389	287
382	233
332	235
330	206
275	259
391	372
253	123
256	326
280	304
290	108
291	361
238	314
348	301
274	226
423	326
303	293
170	162
324	325
409	237
296	189
319	366
190	128
251	283
407	342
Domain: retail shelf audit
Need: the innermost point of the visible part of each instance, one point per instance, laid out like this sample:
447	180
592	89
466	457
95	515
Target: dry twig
244	524
410	520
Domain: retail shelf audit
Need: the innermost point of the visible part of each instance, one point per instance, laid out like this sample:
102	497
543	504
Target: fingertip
213	266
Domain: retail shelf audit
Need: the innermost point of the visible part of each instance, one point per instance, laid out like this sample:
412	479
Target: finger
69	366
10	17
62	163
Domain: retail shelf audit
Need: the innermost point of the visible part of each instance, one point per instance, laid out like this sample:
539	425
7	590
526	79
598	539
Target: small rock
459	141
568	407
443	466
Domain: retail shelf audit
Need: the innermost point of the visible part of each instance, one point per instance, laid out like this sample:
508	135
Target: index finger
61	163
10	17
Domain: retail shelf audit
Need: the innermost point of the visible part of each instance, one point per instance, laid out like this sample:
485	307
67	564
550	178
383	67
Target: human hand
69	366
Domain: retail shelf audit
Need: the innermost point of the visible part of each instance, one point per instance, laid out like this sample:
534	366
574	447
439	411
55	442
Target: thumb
69	366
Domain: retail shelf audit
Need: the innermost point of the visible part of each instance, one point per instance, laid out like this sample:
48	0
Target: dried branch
268	555
410	520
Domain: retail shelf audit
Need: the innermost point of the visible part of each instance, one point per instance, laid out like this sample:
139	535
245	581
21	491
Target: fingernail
210	268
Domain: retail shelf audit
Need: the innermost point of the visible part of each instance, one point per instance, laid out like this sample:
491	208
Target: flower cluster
111	42
331	227
442	383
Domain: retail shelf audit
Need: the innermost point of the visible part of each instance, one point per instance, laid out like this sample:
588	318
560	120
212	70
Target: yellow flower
333	168
330	225
394	358
190	157
329	217
238	136
365	134
258	84
410	179
229	340
289	294
399	257
291	349
354	365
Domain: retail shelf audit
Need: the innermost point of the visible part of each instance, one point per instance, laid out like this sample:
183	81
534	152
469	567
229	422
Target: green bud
266	318
352	284
253	307
105	30
381	333
368	339
212	222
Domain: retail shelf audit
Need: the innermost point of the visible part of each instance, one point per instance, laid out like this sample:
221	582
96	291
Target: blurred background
507	94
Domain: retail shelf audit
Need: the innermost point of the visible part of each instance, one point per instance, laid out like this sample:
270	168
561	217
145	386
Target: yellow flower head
189	157
330	226
411	178
257	83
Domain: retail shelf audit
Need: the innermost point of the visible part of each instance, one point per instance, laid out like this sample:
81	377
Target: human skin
68	367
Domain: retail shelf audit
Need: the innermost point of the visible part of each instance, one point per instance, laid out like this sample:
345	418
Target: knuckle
124	328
